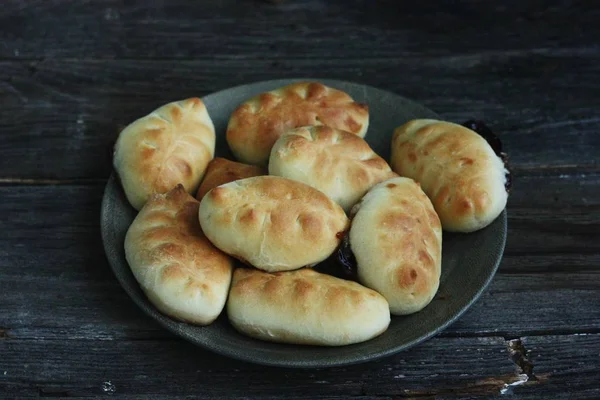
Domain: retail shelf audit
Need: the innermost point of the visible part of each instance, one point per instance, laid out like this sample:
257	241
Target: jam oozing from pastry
341	263
485	132
346	259
495	143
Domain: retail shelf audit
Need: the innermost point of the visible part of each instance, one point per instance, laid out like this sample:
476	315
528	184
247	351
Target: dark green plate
469	261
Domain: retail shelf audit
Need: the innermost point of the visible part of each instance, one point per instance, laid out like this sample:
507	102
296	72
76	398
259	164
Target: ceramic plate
469	261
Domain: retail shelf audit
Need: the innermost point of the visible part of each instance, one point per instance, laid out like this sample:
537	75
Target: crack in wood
4	333
9	85
34	66
53	392
519	356
495	385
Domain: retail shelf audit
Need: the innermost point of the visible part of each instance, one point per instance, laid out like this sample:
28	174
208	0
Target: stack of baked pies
246	235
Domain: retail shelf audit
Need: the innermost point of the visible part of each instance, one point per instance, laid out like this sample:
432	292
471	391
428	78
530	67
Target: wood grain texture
529	69
512	306
442	367
555	364
554	214
160	365
76	108
243	29
72	74
542	283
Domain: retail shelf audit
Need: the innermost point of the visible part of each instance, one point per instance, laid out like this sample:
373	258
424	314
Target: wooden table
73	73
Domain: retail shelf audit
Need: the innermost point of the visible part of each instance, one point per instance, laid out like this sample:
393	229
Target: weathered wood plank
232	29
47	308
554	215
60	121
562	217
73	73
82	367
561	366
59	118
543	285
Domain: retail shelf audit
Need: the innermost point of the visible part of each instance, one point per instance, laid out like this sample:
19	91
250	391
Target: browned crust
256	124
287	224
171	145
221	171
332	149
452	186
399	226
170	234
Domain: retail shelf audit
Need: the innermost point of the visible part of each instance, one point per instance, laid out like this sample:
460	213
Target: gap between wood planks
569	51
7	333
44	181
559	171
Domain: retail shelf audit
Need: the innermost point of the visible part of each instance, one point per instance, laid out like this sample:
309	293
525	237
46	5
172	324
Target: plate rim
167	323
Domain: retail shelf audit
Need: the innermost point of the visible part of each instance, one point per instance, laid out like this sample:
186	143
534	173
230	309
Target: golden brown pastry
256	124
305	307
272	223
180	271
171	145
457	169
338	163
396	237
221	170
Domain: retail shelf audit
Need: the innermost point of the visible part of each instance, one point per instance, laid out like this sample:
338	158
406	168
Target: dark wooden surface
73	73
